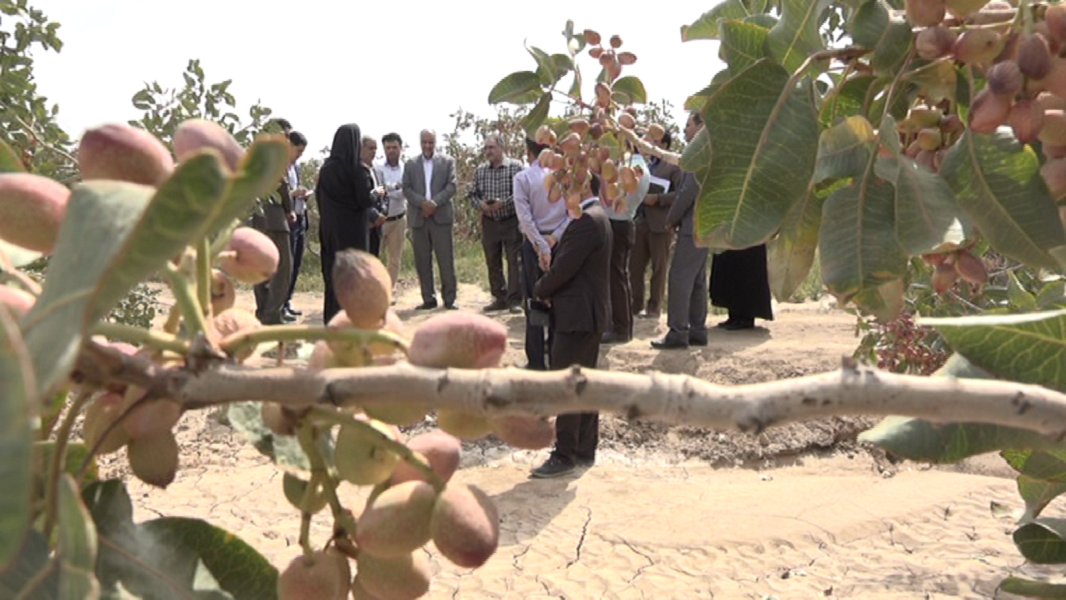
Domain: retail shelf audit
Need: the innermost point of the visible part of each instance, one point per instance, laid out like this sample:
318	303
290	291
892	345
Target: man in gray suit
686	310
429	186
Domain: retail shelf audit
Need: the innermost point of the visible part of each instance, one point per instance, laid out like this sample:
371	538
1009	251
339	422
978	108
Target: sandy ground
797	512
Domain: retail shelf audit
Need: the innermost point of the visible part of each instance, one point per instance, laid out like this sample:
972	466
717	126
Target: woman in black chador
343	193
740	283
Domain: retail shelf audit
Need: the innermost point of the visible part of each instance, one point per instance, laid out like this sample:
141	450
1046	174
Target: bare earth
797	512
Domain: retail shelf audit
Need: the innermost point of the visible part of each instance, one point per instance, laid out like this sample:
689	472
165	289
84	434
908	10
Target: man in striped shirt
492	194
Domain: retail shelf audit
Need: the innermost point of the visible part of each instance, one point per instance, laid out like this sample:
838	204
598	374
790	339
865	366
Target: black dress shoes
697	340
427	305
451	306
495	306
739	324
555	466
666	343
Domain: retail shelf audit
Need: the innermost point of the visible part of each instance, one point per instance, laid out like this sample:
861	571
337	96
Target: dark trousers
271	295
429	239
536	337
297	240
621	308
577	434
375	241
499	239
650	247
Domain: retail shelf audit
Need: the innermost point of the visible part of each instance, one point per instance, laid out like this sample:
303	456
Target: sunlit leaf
997	182
796	35
1029	348
522	87
707	26
743	43
790	255
874	29
629	90
1042	541
1038	493
536	117
765	135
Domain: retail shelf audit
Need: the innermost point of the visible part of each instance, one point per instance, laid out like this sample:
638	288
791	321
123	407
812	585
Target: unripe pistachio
196	134
988	111
592	37
626	58
1034	56
616	41
1054	174
1005	78
933	42
124	153
1055	18
32	209
1053	131
254	256
17	302
579	126
978	46
925	13
1026	119
964	8
544	159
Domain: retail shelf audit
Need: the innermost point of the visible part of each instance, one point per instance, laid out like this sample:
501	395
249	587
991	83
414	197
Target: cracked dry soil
799	511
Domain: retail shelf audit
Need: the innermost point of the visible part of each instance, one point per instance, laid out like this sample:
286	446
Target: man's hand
428	208
292	217
380	190
651	199
551	240
545	262
299	192
484	206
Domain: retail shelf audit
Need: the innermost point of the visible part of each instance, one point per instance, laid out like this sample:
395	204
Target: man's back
578	282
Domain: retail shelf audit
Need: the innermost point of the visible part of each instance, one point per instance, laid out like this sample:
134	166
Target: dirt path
796	512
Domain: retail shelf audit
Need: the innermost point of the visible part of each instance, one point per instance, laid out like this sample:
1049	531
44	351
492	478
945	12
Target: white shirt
299	205
392	178
427	167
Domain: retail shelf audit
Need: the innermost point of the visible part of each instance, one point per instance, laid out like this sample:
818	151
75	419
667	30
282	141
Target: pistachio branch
186	300
203	275
648	149
306	434
58	459
674	399
250	338
36	137
146	337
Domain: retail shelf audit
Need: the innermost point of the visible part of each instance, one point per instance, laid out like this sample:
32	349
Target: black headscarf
342	178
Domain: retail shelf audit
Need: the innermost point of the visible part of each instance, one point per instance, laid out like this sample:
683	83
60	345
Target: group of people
579	281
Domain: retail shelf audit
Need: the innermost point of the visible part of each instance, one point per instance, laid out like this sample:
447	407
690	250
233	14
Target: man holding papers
653	236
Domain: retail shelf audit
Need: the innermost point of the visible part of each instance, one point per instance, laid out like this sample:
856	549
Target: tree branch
674	399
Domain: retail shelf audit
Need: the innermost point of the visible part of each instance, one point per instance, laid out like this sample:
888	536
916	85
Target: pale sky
388	66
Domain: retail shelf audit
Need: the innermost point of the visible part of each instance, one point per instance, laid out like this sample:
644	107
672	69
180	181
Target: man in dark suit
654	235
429	186
686	312
577	285
275	220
